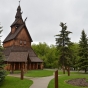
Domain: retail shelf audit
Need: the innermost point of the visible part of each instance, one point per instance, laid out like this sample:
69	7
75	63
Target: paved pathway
40	82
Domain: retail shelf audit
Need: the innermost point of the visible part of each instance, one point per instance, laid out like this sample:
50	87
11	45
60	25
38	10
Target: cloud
44	17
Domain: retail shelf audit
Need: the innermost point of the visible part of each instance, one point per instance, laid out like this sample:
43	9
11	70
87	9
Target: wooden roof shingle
17	57
35	59
20	54
13	35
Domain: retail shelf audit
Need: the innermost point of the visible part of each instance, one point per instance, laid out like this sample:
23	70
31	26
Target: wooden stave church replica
17	47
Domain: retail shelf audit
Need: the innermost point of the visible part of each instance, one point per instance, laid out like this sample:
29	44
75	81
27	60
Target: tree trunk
85	70
68	71
63	70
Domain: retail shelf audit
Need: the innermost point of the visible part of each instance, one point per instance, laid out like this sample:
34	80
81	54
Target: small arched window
25	43
20	42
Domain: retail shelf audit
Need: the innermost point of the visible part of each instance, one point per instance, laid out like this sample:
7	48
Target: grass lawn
39	73
13	82
63	78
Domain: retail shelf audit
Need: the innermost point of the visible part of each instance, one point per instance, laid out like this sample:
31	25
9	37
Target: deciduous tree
47	53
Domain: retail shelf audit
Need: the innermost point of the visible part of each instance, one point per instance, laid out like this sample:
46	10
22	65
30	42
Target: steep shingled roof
19	26
17	57
13	35
20	54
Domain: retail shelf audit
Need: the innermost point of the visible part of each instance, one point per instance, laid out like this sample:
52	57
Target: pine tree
83	52
2	72
63	44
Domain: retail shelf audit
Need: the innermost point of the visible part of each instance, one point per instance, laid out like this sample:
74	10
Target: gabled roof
13	35
14	22
20	54
17	57
21	57
35	59
20	25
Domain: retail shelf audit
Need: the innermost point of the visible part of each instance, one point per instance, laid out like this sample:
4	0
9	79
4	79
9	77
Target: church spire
18	14
18	17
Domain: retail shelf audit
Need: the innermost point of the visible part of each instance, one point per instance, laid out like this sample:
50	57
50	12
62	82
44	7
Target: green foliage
75	57
13	82
2	72
83	52
63	43
48	54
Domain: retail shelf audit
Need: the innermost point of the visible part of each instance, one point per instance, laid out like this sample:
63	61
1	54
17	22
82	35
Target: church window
16	27
20	42
24	42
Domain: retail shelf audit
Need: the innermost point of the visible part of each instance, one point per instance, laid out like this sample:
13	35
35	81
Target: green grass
63	78
36	73
39	73
87	80
13	82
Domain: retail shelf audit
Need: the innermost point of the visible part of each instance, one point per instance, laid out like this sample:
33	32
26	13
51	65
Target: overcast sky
44	17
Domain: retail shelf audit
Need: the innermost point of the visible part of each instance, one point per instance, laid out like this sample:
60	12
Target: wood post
56	79
25	67
33	66
22	73
12	67
41	65
30	66
36	65
19	65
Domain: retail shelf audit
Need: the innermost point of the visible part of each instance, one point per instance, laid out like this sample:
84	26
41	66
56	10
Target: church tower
19	34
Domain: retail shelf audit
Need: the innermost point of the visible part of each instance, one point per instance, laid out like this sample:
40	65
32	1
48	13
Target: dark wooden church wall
23	39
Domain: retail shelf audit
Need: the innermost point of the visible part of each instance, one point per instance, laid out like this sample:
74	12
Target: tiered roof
20	54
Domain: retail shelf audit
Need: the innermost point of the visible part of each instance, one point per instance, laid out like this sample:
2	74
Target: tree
47	53
63	44
83	52
2	72
52	57
41	50
75	57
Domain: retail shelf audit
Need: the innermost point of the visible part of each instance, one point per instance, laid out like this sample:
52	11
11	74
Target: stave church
17	47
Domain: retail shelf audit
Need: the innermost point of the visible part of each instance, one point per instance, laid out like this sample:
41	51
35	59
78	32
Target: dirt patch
78	82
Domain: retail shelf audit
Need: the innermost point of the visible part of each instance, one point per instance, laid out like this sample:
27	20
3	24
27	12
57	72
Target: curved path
40	82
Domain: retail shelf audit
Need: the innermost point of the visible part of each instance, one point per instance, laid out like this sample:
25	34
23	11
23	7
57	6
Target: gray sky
44	17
